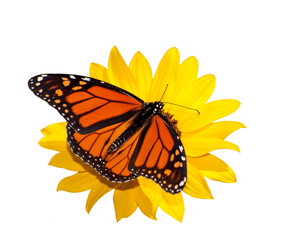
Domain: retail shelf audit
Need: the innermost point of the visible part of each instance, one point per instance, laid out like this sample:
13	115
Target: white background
245	44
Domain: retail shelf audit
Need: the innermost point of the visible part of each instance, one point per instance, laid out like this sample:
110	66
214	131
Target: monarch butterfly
118	134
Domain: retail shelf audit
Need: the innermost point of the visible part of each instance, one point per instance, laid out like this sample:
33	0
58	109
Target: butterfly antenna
182	106
164	92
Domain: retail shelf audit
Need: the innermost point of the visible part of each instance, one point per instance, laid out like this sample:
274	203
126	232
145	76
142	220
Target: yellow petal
54	142
56	129
209	112
201	90
184	81
78	182
124	200
99	189
217	129
142	72
152	190
196	147
187	73
213	168
173	205
165	74
144	203
55	137
196	186
119	72
97	71
69	161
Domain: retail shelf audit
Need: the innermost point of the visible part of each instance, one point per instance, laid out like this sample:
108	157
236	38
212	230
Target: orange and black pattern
93	149
115	132
87	104
160	155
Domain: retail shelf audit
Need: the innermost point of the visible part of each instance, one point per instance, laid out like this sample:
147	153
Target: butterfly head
157	107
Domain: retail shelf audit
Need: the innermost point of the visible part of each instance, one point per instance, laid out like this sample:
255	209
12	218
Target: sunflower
200	135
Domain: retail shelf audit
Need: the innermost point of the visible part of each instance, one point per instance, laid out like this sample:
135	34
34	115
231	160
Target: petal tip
114	49
179	220
174	50
243	126
88	209
237	102
237	149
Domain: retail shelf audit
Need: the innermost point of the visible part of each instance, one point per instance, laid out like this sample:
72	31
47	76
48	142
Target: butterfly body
115	132
147	112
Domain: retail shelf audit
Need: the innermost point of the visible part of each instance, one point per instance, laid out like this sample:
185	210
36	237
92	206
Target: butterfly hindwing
87	104
159	155
92	149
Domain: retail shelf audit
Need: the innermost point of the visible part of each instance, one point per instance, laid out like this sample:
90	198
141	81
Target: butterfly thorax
148	111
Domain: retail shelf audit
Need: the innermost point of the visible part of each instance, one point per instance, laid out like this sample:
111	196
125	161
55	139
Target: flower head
200	134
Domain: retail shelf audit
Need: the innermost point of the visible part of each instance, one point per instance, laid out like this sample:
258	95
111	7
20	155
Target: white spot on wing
39	78
181	148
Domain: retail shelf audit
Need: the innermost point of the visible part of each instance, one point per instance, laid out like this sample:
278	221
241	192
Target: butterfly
115	132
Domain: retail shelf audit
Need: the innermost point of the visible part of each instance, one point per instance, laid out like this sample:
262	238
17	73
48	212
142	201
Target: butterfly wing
97	113
155	152
87	104
92	148
159	155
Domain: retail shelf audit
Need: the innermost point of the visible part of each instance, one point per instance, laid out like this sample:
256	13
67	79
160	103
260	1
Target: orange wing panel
120	166
108	111
88	105
125	172
154	155
99	144
112	95
87	142
77	97
148	143
163	160
165	134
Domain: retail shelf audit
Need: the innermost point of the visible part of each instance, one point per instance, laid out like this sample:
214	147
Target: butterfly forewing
87	104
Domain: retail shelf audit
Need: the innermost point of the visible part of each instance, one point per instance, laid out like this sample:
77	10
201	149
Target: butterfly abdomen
122	139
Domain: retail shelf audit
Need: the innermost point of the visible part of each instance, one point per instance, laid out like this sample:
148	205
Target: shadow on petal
79	182
213	168
98	190
68	160
173	205
196	186
124	200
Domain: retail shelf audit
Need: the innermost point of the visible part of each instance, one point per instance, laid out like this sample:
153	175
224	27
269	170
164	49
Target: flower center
172	121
